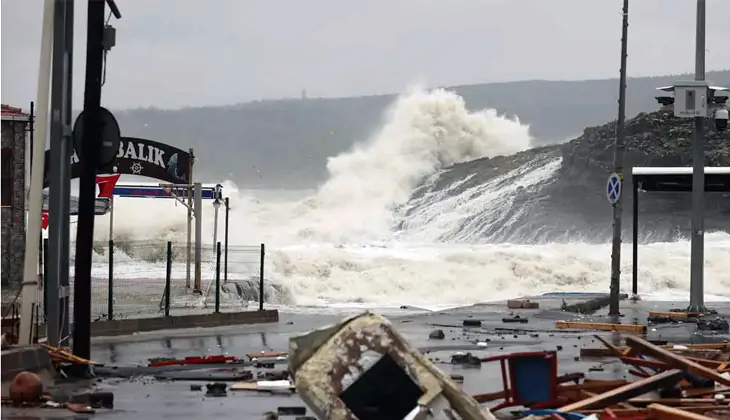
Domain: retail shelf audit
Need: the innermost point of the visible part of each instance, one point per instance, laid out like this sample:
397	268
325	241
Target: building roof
11	113
717	179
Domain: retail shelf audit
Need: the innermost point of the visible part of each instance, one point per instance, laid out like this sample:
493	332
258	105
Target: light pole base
700	309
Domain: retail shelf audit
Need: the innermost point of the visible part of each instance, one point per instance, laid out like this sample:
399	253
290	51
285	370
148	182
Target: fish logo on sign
613	188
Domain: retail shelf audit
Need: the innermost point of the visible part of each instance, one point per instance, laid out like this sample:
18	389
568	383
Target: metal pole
56	163
35	194
67	150
261	277
198	203
110	284
87	180
225	258
168	278
618	163
216	207
111	218
189	250
217	277
696	291
635	244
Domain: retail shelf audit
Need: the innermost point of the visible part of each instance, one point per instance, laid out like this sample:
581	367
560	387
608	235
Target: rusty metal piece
324	363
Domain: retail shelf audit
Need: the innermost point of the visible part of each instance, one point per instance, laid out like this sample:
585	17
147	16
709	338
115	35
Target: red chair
529	379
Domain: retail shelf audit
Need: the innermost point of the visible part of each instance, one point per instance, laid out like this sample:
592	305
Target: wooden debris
522	304
675	315
600	326
675	361
627	391
662	412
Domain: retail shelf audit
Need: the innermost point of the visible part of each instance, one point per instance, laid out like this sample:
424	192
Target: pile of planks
688	382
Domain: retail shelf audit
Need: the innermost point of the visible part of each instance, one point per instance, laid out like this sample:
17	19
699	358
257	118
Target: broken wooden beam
663	412
623	393
602	326
675	315
674	360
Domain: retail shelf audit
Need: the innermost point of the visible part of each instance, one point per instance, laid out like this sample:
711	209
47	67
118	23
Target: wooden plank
590	394
644	402
594	385
627	391
591	352
662	412
675	315
674	360
600	326
639	363
712	364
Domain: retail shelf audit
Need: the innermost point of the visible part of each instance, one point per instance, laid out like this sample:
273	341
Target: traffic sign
613	188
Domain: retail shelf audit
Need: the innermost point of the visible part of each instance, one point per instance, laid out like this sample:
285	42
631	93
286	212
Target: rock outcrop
572	204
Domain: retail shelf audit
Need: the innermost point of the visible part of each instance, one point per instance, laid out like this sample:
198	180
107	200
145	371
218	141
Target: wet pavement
152	399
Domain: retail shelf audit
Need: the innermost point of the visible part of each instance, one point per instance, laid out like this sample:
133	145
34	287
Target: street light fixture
216	205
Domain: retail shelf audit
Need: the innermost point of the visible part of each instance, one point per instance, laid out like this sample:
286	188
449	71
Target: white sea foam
336	246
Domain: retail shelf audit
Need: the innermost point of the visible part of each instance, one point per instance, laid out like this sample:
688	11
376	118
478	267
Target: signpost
613	188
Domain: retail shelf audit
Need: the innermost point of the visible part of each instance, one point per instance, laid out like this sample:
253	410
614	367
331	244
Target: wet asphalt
151	399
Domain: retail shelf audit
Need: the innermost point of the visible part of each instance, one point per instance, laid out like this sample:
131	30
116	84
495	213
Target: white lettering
159	159
131	153
140	153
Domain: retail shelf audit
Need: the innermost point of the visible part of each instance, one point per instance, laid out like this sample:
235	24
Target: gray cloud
174	53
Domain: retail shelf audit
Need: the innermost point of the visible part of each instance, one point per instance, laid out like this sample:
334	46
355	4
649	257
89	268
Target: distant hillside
285	143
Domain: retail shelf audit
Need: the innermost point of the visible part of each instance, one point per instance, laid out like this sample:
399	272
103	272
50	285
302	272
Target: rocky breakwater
571	204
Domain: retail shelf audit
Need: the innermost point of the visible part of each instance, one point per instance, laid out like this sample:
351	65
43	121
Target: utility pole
618	163
696	288
89	160
35	192
60	175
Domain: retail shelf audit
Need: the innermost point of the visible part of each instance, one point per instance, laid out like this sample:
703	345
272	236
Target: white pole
215	226
35	197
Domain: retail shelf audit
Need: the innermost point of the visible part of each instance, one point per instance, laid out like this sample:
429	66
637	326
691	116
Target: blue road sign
613	188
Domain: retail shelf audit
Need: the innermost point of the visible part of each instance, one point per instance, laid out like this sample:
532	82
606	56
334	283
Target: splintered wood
661	368
600	326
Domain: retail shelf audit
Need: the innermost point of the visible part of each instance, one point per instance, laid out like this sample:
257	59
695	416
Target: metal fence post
225	259
218	277
45	276
168	278
110	292
261	278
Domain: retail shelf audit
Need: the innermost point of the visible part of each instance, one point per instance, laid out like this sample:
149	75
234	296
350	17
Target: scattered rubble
522	304
515	319
589	306
216	389
715	324
437	335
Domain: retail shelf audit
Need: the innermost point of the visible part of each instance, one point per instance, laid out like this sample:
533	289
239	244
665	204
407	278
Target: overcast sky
175	53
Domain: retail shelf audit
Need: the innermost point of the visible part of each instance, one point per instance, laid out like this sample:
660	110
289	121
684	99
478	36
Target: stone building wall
14	136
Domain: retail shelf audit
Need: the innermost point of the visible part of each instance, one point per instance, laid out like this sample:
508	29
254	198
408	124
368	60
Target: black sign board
142	157
110	135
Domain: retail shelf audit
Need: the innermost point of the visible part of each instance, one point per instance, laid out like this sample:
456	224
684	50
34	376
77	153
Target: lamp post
216	206
698	100
225	259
